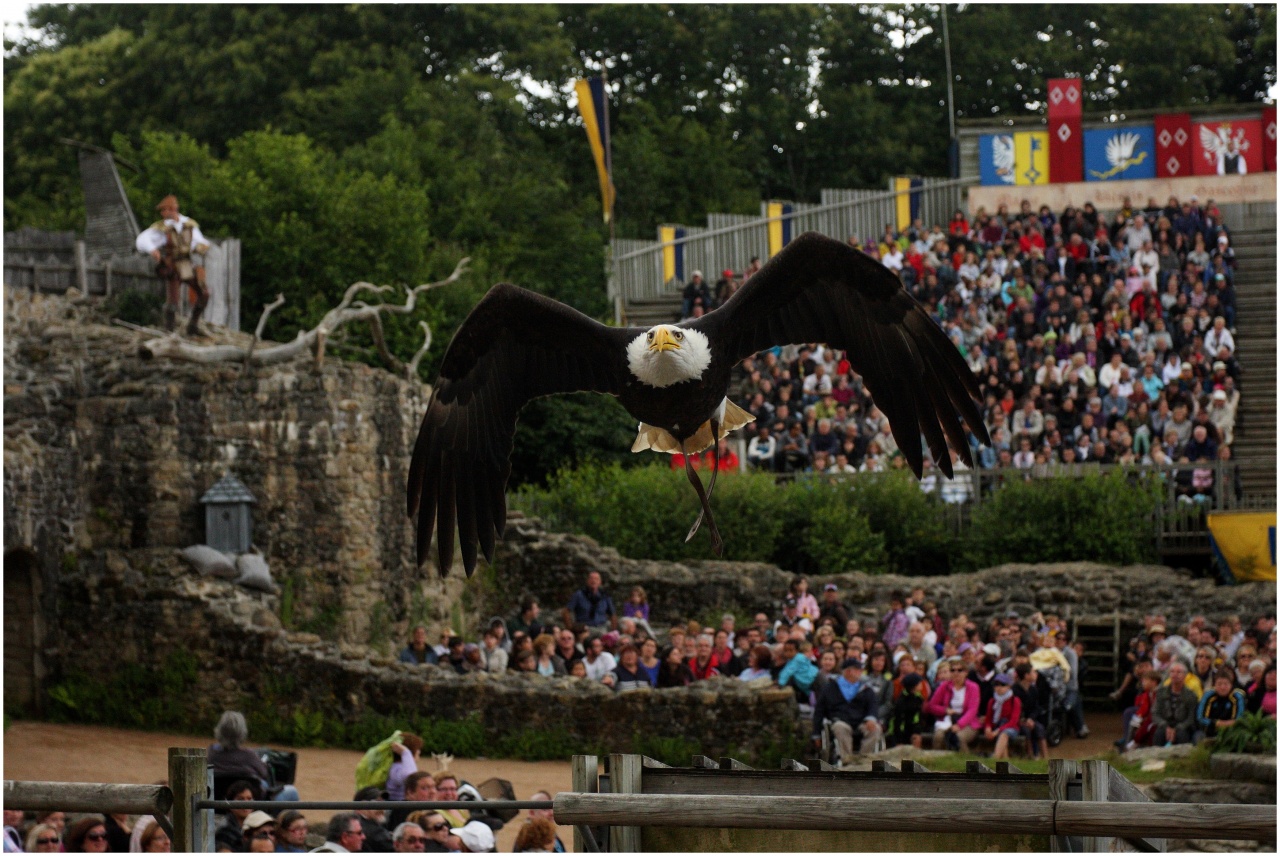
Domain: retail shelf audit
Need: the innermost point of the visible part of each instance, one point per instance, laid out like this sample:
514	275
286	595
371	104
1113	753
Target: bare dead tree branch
411	370
262	323
307	341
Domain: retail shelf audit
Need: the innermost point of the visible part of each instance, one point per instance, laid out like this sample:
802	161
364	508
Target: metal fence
730	240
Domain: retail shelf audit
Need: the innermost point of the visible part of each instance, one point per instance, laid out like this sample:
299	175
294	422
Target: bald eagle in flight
517	345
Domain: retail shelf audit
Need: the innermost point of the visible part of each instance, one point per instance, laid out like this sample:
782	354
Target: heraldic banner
1112	154
1269	138
1246	540
1227	148
1173	145
995	159
1066	142
1031	157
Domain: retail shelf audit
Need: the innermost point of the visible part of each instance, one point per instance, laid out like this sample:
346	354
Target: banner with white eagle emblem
1227	148
1113	154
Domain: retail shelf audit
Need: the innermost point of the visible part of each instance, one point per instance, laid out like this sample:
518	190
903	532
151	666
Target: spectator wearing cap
696	294
260	832
850	705
831	607
726	285
473	837
376	837
956	708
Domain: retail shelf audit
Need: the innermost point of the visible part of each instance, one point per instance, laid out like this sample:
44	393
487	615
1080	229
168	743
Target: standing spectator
850	704
806	603
406	754
1033	710
1175	708
1073	702
591	605
831	606
696	294
418	652
895	622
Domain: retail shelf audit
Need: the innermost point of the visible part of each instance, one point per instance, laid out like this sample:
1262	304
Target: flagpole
611	277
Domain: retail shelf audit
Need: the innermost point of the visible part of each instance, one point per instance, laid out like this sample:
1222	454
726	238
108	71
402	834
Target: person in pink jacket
955	708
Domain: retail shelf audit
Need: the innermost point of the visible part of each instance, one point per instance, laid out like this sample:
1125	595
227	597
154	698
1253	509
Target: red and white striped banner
1173	145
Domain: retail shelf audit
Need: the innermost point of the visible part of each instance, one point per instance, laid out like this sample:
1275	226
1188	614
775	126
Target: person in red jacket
1003	716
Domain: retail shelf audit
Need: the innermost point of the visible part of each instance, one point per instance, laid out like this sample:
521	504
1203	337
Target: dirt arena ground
38	751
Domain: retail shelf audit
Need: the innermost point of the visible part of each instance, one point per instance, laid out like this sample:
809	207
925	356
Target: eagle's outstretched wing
820	290
516	345
1211	142
1002	154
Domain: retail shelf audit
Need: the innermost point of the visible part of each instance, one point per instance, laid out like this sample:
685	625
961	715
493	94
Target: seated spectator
1263	696
536	836
377	838
762	451
955	708
418	787
409	838
88	835
702	665
14	821
649	660
547	662
628	674
346	832
527	620
230	833
260	832
472	837
1034	709
153	838
798	671
291	832
1175	708
599	662
722	656
759	664
418	652
590	605
1003	718
850	705
1220	707
227	757
674	672
637	605
447	791
491	654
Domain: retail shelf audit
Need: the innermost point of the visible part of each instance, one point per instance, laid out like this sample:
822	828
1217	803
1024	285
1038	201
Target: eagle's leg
717	543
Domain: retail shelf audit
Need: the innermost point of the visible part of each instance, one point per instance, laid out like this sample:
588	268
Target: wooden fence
631	803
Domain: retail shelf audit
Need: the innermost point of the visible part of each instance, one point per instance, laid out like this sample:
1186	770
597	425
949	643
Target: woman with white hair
228	757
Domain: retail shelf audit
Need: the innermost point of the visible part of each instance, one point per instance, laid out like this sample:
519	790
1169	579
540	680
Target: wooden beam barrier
1012	817
87	797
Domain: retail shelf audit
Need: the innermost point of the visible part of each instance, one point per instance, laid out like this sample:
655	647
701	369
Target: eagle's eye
650	335
679	336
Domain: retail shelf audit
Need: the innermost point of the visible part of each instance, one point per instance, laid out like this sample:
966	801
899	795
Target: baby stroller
1052	684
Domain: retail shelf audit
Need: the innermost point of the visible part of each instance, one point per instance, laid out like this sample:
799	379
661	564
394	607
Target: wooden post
82	275
187	778
1095	781
974	768
625	773
1061	774
106	278
586	773
87	797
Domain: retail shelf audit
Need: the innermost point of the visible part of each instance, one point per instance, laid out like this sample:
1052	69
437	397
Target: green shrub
1254	733
840	539
1090	518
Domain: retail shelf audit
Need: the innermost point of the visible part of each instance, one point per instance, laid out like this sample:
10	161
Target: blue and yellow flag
908	199
591	105
1246	541
779	228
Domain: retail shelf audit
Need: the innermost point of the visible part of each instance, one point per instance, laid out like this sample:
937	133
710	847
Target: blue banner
995	159
1112	154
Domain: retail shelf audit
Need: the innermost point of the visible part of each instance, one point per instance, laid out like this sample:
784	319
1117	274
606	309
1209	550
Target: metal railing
730	240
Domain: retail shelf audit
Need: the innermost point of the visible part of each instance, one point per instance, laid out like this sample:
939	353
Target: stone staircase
1255	434
659	310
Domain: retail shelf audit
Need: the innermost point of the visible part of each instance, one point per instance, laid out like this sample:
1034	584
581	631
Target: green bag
375	766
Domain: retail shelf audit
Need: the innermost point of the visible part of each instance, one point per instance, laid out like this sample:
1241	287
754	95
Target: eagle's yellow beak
663	341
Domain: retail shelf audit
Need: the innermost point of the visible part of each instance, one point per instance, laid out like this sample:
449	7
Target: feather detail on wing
1120	148
516	345
1211	142
820	290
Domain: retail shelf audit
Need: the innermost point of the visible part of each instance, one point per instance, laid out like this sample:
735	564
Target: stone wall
153	606
551	565
105	450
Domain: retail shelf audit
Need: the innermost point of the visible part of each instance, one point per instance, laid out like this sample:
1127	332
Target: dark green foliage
871	523
137	696
136	307
1253	732
1090	518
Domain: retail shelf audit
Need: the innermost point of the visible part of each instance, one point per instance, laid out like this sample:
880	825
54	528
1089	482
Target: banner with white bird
1227	148
1114	154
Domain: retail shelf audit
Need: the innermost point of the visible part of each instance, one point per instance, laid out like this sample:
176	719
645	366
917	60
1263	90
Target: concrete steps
1256	297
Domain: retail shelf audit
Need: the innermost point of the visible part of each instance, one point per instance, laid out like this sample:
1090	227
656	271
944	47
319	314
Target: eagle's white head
667	354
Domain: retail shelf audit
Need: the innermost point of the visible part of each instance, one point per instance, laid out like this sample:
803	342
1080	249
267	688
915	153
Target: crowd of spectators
1095	338
915	676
